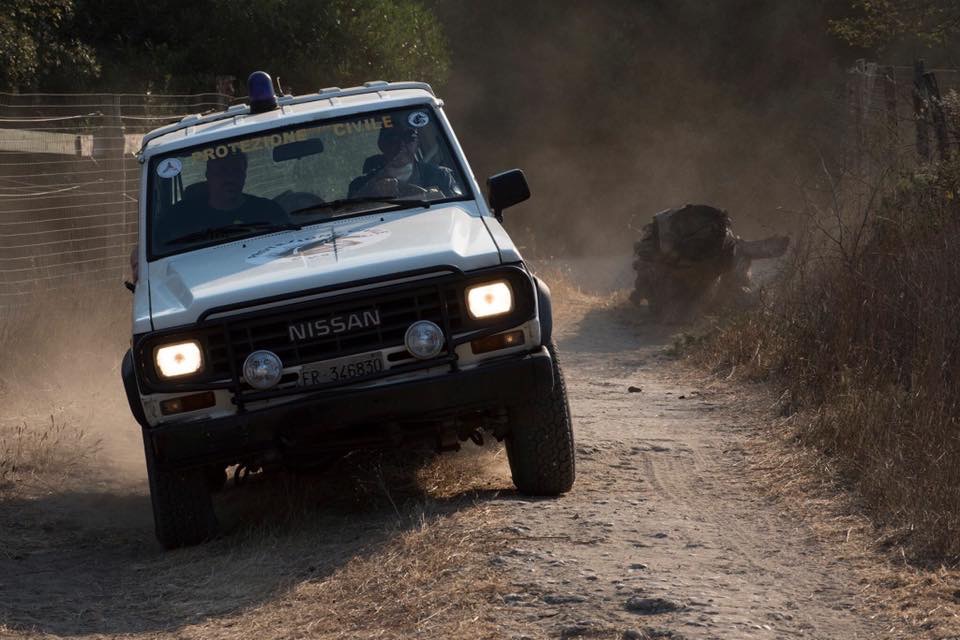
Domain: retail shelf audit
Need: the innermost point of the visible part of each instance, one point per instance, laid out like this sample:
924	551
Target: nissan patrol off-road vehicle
320	274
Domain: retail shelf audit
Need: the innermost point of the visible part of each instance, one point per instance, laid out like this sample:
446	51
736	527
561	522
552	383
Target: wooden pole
890	105
920	110
935	108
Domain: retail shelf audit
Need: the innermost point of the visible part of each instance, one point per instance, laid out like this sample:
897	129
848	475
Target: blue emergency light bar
262	97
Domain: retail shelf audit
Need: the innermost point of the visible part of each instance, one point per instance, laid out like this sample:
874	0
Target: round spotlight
262	369
424	339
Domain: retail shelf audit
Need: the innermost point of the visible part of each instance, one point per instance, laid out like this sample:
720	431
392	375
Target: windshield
286	178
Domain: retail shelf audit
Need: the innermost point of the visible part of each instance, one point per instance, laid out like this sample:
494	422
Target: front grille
397	311
230	333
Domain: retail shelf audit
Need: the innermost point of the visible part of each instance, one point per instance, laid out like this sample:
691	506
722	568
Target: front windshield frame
446	137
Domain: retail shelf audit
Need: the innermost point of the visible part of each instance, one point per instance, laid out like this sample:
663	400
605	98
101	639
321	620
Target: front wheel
182	508
540	443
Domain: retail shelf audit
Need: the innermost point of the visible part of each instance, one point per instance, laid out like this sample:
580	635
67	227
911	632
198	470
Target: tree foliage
878	24
183	45
34	43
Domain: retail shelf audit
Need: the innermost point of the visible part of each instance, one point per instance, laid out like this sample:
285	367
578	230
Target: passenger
399	173
220	201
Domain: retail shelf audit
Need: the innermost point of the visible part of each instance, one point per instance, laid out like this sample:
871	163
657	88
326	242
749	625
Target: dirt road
666	535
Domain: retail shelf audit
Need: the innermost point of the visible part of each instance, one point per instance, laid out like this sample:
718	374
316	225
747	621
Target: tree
182	45
34	44
879	24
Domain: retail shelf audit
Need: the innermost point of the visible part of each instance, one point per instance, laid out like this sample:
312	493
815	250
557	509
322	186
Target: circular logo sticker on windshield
169	168
418	119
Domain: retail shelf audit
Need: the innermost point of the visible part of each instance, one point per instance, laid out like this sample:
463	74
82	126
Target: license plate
341	369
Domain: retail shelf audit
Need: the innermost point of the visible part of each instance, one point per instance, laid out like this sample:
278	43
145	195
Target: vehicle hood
183	286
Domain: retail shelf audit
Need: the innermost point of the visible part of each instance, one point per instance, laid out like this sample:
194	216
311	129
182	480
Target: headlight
489	300
181	359
424	340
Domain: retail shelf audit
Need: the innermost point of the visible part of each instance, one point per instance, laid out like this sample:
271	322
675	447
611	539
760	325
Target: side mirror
507	189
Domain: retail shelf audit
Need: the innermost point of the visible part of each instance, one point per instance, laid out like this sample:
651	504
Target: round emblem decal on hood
315	246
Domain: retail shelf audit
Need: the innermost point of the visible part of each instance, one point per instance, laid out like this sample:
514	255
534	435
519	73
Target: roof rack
193	120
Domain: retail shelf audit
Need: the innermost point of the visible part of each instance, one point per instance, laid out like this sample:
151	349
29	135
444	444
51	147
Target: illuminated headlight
181	359
489	300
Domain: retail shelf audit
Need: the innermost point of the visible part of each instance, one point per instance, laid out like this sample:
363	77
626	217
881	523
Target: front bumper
336	419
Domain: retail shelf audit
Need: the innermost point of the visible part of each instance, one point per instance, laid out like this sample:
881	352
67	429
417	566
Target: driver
400	172
222	202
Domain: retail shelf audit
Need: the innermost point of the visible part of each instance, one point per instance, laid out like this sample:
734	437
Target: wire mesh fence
69	180
902	114
69	184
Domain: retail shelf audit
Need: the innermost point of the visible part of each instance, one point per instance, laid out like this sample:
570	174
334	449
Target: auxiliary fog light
192	402
181	359
499	341
424	340
489	300
262	369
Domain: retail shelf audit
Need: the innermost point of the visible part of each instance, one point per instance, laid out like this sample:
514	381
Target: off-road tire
540	442
182	508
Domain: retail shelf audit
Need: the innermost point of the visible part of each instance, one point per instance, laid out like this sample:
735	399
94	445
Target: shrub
868	339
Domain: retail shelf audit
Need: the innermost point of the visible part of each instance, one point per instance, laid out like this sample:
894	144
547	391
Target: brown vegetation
864	338
59	382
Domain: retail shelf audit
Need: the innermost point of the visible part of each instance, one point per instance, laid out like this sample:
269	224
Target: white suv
319	274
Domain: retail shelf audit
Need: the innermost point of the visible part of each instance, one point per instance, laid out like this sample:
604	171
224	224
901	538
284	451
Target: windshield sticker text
359	126
251	144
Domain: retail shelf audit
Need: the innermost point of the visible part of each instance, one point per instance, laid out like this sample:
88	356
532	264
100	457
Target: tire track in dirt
664	535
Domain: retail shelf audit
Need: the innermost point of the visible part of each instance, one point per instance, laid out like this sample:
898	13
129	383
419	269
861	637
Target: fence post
890	105
920	110
855	104
226	89
935	108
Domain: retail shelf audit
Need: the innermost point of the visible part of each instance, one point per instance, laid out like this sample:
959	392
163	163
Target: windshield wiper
337	204
236	227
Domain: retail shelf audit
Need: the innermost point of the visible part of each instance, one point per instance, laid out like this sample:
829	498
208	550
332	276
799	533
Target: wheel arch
129	375
544	311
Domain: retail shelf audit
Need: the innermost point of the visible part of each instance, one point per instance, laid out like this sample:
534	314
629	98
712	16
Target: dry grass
60	366
918	600
380	546
570	297
865	340
35	456
430	579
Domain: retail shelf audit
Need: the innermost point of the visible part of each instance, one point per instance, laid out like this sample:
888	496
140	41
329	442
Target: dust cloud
624	108
61	371
614	109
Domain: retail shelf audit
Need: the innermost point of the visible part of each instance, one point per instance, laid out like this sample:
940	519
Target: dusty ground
667	533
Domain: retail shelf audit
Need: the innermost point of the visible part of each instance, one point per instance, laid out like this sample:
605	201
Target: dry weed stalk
32	456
